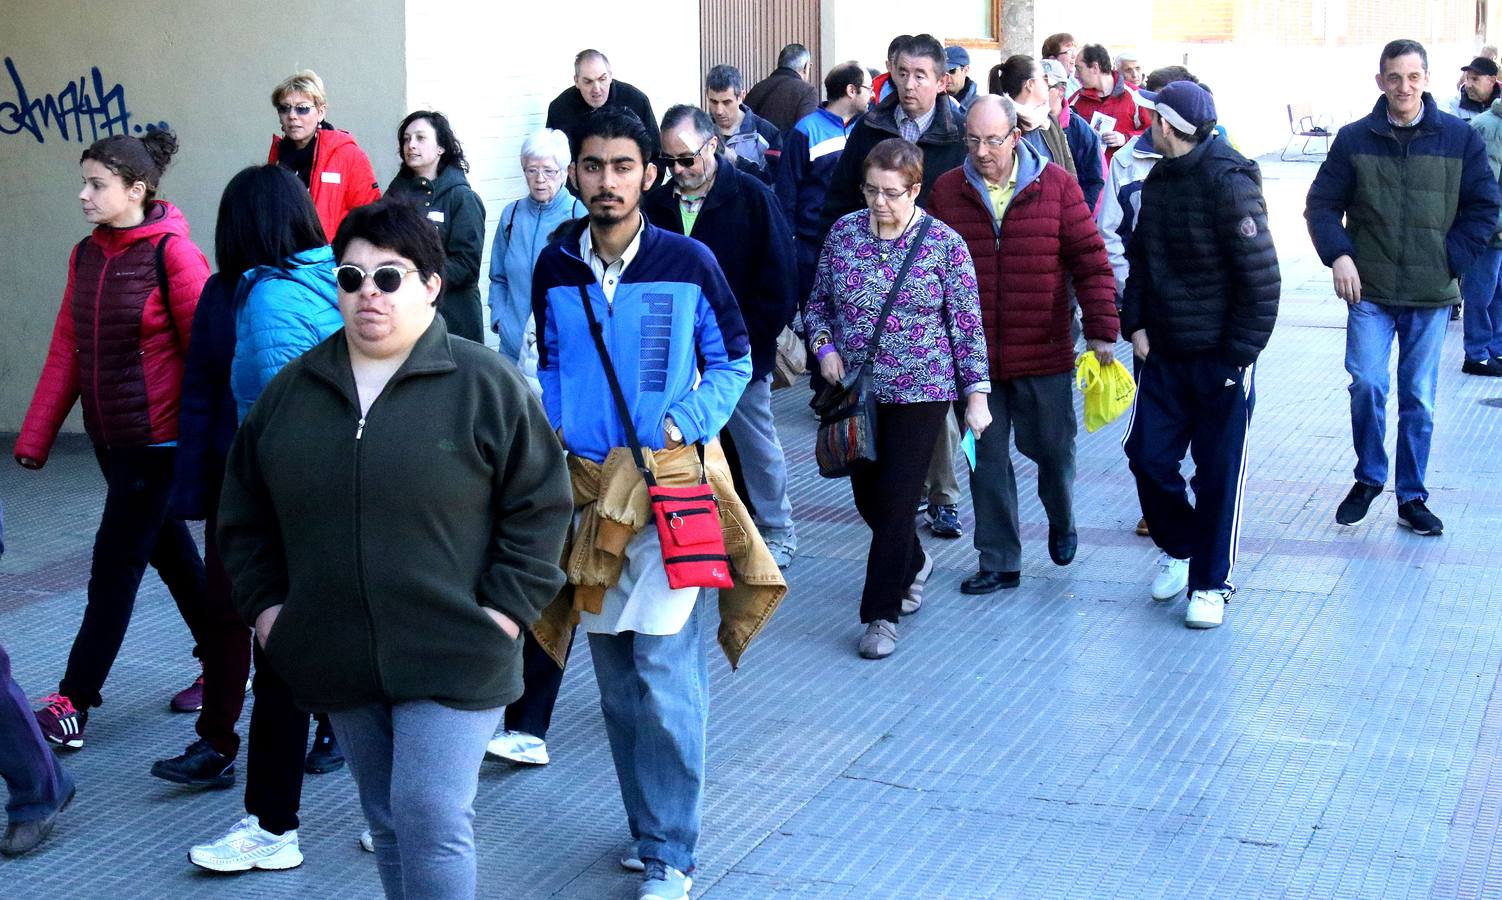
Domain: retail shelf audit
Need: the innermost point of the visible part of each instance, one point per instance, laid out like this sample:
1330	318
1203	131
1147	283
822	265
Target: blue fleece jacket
673	332
524	230
283	311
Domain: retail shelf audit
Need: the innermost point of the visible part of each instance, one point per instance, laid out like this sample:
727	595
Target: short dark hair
793	56
610	122
265	217
395	225
1158	79
702	123
584	55
724	78
896	155
1008	77
1053	45
896	43
1402	47
1097	55
843	76
453	151
926	46
142	159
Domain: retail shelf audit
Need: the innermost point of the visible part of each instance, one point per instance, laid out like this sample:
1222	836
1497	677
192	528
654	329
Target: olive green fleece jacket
383	537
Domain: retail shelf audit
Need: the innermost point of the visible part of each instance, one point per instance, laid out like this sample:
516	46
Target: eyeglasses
995	143
685	162
871	192
388	279
535	172
302	109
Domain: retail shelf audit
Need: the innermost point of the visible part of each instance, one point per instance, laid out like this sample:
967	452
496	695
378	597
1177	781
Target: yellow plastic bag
1108	391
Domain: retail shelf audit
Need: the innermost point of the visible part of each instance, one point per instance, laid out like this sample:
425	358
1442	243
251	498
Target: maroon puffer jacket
116	343
1047	235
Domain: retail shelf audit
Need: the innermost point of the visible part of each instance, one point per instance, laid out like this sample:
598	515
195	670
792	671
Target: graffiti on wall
83	111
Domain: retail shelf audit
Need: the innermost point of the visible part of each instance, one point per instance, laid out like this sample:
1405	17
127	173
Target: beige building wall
207	69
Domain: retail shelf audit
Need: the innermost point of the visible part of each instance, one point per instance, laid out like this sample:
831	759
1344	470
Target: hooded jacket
783	98
1122	199
742	226
451	204
386	536
283	312
1121	104
525	228
1489	126
1089	158
118	344
1412	217
1204	273
341	179
1024	264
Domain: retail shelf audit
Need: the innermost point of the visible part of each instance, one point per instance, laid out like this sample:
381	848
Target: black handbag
847	410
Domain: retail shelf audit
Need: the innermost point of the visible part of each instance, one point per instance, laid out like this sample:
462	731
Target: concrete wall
205	68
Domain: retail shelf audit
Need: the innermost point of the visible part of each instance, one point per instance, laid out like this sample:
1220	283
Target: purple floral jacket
933	347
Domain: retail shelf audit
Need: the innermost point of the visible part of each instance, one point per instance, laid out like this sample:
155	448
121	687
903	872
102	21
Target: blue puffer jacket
283	311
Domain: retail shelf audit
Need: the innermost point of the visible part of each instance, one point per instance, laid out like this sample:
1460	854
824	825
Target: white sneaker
367	843
1172	577
519	747
248	846
630	861
1207	609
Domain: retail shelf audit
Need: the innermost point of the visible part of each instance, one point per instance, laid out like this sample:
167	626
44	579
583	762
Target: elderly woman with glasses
931	353
525	226
327	161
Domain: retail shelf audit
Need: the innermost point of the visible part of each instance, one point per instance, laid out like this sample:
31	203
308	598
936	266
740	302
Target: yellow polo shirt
1001	194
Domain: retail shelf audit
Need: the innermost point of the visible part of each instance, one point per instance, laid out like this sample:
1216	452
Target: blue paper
967	444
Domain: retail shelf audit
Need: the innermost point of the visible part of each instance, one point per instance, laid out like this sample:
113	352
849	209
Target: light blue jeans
763	464
417	765
654	692
1420	331
1482	315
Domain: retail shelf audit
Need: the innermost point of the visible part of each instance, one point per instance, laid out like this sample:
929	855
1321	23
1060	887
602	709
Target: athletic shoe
879	640
519	747
782	552
325	757
367	843
1415	516
912	600
1207	609
630	861
1358	502
1172	577
190	698
944	521
23	837
248	846
61	724
199	766
663	882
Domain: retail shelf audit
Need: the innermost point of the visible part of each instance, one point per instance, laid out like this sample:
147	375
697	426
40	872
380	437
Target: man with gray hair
786	95
746	139
1129	67
594	87
1025	216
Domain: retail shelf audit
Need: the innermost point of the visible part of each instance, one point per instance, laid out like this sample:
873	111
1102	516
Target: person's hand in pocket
504	622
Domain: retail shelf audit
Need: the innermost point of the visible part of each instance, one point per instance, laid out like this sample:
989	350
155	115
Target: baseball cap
1053	72
959	56
1182	104
1480	65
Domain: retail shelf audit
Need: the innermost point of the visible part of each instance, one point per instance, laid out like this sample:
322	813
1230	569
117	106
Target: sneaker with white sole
1172	577
912	600
1207	609
631	860
663	882
248	846
367	843
519	747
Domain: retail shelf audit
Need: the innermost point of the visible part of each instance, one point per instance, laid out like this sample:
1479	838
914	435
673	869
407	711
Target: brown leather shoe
1142	527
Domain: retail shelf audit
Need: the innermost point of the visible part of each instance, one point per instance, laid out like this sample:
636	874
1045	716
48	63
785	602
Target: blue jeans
1482	315
417	765
654	692
38	783
1370	329
763	464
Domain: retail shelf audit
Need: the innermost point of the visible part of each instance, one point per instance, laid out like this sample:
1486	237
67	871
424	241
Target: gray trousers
942	486
1040	410
763	464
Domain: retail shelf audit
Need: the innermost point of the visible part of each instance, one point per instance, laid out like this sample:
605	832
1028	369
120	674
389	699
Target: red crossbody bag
688	517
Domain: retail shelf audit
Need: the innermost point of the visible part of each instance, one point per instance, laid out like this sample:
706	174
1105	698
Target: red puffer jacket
341	180
116	343
1047	235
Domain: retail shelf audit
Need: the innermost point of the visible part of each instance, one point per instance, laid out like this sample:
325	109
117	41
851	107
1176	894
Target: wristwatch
673	431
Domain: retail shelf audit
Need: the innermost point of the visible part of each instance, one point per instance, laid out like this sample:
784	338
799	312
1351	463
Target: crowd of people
405	530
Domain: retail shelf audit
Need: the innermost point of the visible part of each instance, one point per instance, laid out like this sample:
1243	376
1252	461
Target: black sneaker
325	757
1353	509
199	766
1482	367
1415	516
944	521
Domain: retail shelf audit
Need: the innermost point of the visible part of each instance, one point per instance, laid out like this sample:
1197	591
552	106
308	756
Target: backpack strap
163	285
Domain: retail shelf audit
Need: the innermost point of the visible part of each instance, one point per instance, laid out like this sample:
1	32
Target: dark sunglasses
302	109
388	279
684	162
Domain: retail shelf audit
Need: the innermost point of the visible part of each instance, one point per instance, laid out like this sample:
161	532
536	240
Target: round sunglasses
387	279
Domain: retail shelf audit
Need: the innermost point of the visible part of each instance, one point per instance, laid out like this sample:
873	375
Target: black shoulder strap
512	221
78	255
886	308
161	271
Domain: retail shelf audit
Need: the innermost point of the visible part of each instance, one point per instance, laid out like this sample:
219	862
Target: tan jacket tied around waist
613	504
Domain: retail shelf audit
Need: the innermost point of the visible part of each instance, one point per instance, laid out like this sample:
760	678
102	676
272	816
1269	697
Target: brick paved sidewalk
1338	738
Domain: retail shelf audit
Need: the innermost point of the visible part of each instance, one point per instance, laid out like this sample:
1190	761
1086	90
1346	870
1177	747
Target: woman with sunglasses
283	301
327	161
932	353
432	179
393	516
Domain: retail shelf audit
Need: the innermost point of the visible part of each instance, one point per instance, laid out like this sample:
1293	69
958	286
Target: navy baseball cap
957	56
1182	104
1480	65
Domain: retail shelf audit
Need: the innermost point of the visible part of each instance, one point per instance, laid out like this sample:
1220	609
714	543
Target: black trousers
532	712
884	492
224	646
134	530
274	756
